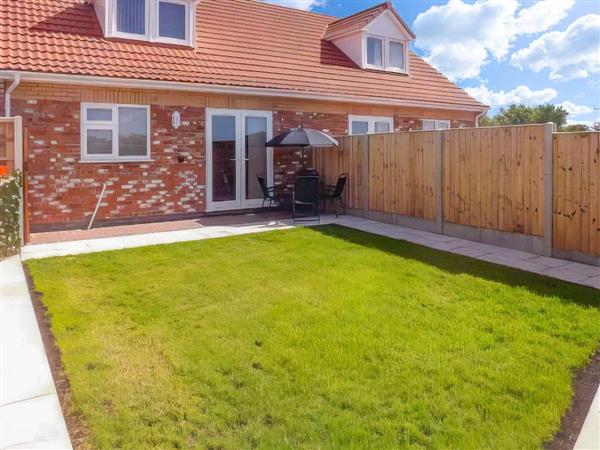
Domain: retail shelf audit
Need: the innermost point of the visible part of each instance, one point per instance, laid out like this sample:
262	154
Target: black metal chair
334	193
268	192
305	205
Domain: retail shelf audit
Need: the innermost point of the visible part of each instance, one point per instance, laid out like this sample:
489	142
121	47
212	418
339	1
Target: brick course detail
62	189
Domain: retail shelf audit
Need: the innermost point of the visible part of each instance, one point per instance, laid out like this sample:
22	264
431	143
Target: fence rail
517	186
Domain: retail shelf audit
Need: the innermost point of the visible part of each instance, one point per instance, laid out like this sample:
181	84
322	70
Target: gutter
129	83
16	81
479	116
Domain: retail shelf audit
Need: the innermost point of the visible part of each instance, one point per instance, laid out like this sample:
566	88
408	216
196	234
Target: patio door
235	155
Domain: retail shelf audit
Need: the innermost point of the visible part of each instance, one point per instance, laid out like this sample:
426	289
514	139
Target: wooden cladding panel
576	203
493	178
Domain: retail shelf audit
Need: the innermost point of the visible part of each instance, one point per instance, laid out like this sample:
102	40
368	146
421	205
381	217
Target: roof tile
258	45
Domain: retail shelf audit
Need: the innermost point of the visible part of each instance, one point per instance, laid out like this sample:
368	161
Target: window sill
114	161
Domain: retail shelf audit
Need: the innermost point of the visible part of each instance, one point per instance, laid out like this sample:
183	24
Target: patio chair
305	205
333	193
268	192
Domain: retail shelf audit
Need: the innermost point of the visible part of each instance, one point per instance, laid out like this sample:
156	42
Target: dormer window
384	53
165	21
376	38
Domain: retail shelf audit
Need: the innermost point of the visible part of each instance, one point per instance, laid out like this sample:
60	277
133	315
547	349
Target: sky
503	51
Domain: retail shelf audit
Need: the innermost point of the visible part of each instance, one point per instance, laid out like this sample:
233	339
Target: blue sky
504	51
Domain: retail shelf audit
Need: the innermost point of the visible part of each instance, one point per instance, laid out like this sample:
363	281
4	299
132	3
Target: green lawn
314	338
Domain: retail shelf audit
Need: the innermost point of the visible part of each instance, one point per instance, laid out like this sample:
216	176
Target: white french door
235	156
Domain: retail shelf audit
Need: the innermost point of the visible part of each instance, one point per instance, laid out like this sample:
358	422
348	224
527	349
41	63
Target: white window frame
113	125
152	23
371	122
436	124
386	54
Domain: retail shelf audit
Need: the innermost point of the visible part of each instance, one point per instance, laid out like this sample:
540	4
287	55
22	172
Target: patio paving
114	238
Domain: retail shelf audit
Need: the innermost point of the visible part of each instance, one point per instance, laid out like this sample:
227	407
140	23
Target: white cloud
569	54
460	38
542	15
520	94
299	4
575	109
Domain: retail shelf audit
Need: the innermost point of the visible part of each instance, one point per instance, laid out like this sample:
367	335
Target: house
168	103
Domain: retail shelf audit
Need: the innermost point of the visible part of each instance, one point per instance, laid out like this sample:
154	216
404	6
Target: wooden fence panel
351	158
576	202
493	178
402	174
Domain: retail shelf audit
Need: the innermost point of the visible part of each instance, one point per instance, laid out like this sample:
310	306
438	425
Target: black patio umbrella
302	138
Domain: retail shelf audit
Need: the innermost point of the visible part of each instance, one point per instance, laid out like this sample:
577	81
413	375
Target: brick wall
402	123
64	191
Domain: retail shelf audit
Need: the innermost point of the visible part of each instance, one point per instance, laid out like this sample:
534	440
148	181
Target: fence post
548	187
366	172
439	182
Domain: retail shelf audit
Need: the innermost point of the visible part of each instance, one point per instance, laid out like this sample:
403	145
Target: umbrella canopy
302	137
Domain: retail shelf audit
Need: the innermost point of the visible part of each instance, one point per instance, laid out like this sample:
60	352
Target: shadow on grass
459	264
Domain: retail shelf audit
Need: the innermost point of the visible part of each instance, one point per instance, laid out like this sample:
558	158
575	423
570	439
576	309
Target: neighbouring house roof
239	43
361	19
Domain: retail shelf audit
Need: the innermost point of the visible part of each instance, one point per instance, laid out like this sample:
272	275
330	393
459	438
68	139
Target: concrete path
30	411
589	437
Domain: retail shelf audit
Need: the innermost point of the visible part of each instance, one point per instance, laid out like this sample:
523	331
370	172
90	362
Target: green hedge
10	198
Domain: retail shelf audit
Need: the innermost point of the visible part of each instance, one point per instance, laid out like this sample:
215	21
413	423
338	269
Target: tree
595	126
522	114
575	127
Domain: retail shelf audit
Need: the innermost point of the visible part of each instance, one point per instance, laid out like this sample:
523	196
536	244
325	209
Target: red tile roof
242	43
363	18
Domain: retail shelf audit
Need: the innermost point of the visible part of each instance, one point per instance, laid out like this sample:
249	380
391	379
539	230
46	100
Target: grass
314	338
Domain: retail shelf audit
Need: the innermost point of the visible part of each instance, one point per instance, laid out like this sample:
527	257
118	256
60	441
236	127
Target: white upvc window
432	124
384	53
370	124
164	21
111	132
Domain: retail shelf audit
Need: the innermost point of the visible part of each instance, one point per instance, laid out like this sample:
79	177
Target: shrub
10	197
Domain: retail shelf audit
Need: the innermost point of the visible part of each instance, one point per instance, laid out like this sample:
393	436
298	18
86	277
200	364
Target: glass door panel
224	160
255	155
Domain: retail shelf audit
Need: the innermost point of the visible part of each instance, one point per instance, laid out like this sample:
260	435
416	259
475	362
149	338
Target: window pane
171	20
131	16
133	132
382	127
442	125
99	142
429	124
223	158
104	115
359	127
374	52
256	155
397	55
